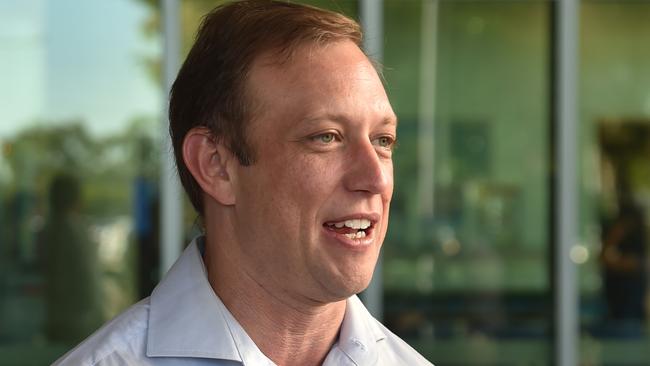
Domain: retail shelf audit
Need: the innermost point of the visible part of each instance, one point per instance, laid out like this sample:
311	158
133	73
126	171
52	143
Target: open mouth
353	228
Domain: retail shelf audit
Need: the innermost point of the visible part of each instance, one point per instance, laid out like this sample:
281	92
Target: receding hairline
281	57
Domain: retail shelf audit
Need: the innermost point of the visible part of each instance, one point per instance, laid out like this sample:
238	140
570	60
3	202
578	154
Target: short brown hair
209	89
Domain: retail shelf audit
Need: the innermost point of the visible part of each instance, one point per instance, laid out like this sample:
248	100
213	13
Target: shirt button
359	344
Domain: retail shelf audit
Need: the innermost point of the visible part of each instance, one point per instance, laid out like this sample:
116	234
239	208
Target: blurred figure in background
624	264
71	267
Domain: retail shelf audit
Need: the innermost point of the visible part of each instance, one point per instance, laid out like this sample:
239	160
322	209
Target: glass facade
467	268
79	115
466	263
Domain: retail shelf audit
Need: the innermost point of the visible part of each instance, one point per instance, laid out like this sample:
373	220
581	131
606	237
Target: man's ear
211	163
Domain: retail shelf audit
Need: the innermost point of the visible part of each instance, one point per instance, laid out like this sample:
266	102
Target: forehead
313	77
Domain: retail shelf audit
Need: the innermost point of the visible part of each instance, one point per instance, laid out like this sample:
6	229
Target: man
283	137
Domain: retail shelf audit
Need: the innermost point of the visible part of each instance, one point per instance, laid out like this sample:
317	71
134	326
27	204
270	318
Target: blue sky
70	59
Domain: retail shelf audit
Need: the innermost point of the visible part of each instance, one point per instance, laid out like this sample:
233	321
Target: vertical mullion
566	119
171	212
372	22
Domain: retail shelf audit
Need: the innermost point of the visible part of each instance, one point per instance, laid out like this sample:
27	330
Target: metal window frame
565	205
171	202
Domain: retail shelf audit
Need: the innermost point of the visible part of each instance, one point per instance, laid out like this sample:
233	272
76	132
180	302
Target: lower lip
359	245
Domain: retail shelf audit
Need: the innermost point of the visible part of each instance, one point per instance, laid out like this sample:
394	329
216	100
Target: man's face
312	210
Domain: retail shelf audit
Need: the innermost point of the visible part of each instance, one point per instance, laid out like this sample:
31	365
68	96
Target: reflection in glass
78	128
624	241
615	185
466	261
68	258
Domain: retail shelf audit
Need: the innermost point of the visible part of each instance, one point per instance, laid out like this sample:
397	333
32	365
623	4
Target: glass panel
80	110
615	186
466	263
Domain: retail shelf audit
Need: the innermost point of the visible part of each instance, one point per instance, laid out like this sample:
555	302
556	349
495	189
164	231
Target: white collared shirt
184	322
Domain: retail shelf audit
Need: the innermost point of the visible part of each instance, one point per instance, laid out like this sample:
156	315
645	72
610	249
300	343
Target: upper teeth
354	224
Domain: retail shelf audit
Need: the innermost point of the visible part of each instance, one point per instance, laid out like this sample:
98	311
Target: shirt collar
187	319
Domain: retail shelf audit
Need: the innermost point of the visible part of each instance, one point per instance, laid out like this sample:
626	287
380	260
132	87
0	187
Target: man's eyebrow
392	120
334	117
341	118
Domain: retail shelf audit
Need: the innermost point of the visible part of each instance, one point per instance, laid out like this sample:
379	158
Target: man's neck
287	331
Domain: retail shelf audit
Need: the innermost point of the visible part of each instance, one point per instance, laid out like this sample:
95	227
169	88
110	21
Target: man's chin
343	289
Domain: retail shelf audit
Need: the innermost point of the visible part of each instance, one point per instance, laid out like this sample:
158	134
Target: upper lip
373	217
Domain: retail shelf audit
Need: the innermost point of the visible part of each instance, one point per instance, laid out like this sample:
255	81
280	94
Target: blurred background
468	274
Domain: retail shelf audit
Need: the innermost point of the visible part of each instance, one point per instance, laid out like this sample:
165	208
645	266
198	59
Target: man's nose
369	172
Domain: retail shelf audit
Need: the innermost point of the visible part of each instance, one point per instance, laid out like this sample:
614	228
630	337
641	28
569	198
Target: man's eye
385	142
325	138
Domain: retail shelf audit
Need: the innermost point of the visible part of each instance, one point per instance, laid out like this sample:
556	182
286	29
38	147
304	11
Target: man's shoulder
395	351
122	340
